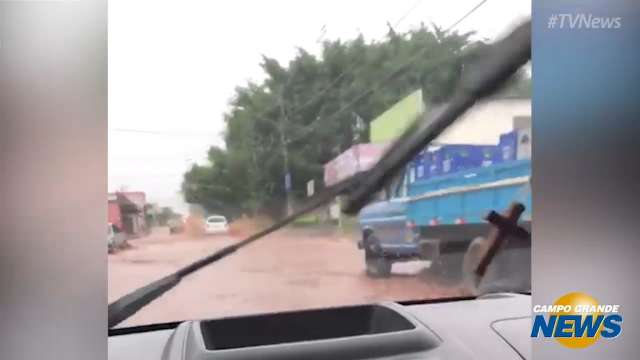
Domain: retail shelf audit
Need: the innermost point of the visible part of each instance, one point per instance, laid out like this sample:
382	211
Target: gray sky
173	67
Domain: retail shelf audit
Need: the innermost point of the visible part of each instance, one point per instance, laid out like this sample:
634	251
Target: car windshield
251	125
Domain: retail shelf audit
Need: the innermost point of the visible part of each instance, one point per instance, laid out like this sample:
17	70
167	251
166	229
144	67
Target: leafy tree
307	109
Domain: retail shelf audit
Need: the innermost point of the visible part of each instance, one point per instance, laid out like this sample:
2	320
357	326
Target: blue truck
437	216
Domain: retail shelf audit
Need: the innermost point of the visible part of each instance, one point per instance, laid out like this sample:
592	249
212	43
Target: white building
487	120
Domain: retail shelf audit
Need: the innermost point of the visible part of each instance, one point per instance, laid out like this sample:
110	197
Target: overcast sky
173	67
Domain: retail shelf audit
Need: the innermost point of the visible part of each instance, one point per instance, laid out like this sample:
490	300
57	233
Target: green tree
306	110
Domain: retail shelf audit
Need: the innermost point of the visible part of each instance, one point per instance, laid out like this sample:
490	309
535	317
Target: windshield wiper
503	59
129	304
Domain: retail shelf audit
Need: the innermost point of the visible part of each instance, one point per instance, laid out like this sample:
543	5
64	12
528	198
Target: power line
333	82
366	93
411	9
311	126
399	70
283	115
354	64
466	15
315	97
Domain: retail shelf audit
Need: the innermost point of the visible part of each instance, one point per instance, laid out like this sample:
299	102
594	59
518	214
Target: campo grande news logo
576	320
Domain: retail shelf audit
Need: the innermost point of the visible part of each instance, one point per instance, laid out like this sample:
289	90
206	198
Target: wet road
291	269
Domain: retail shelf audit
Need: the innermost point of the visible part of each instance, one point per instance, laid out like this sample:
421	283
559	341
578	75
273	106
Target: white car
216	224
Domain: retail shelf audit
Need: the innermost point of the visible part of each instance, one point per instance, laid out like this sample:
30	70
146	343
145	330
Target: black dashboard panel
354	332
493	327
300	326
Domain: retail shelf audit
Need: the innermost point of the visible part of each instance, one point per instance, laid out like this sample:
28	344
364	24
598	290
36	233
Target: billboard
357	158
395	120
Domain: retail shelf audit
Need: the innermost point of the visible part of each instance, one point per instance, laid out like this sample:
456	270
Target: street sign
287	182
334	210
310	188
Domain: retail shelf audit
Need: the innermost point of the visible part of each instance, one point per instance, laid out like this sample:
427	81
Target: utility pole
356	129
285	155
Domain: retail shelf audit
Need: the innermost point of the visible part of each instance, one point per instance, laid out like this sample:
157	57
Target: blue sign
287	182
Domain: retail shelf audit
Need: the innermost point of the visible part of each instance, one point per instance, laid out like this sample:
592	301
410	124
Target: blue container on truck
422	170
411	171
457	158
467	196
491	155
442	214
509	145
435	167
427	160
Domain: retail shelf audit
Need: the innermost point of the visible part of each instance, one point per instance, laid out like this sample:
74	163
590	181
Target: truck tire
377	265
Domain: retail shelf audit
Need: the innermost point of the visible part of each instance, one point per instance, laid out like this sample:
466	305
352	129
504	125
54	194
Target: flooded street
288	270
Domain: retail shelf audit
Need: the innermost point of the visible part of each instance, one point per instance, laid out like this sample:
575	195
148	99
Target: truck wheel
376	264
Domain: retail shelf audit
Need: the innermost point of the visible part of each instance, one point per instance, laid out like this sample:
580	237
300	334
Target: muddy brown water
289	270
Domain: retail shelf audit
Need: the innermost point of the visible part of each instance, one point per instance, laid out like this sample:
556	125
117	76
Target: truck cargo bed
466	197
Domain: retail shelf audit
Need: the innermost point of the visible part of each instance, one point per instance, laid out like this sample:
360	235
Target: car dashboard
494	326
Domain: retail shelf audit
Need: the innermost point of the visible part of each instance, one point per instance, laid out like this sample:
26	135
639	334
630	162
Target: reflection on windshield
313	121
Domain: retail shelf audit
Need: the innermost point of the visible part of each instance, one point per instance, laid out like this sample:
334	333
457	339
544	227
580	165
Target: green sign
393	122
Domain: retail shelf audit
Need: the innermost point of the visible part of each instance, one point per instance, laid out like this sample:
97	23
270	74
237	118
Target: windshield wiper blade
506	57
499	64
126	306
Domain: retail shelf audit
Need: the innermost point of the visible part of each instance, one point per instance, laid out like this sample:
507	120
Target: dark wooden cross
502	227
